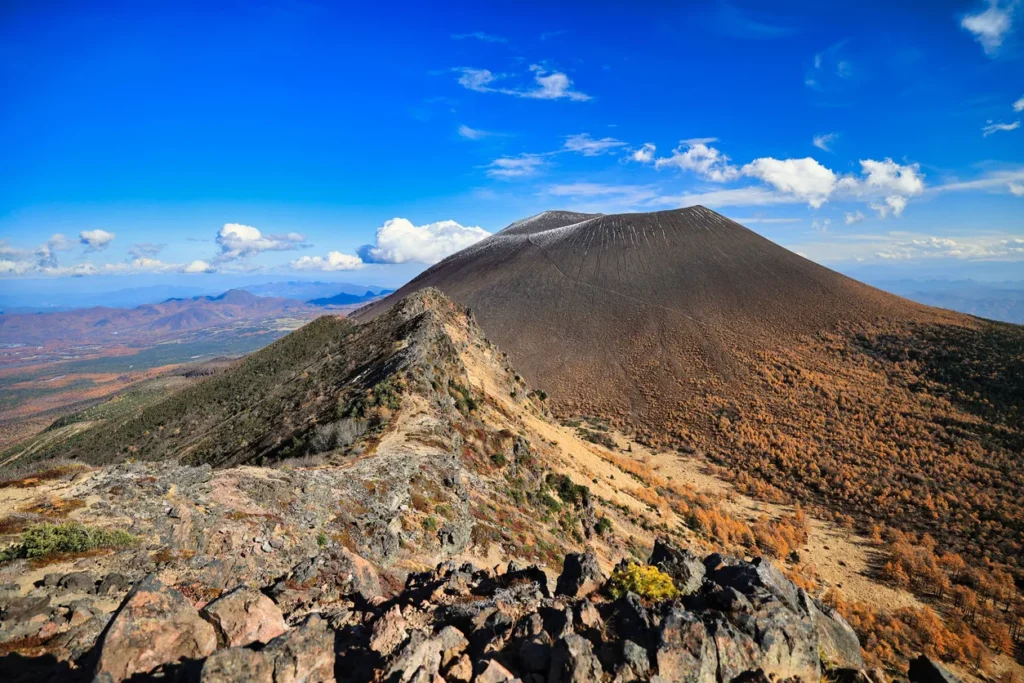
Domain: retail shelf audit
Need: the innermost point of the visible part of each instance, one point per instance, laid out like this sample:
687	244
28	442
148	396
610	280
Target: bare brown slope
620	311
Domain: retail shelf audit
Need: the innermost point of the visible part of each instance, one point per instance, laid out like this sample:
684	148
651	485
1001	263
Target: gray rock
113	582
78	582
581	575
685	568
24	608
927	670
636	665
686	653
838	644
573	661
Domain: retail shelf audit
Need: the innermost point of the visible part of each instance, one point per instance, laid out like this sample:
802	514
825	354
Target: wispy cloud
506	168
854	217
95	240
990	26
480	35
474	133
824	141
1019	105
645	154
992	127
738	23
589	147
549	85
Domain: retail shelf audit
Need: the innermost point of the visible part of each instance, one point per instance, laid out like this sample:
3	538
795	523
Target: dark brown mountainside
623	313
690	330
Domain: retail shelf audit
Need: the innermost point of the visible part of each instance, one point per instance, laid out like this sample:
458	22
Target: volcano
622	313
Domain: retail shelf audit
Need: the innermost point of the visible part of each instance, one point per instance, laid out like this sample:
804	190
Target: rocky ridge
732	620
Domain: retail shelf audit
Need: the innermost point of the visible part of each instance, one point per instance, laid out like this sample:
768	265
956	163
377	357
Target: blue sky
169	142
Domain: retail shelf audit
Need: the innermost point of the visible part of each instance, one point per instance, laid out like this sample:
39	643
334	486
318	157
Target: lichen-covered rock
685	568
573	661
686	653
304	654
243	616
154	626
581	575
838	644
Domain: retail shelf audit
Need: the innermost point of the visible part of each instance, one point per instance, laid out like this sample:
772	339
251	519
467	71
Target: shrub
644	580
70	537
603	526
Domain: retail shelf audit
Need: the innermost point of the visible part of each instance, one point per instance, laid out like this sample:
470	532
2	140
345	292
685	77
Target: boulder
304	654
685	568
155	625
686	653
581	575
26	607
573	661
495	673
389	631
927	670
113	583
636	665
77	582
244	615
423	657
838	644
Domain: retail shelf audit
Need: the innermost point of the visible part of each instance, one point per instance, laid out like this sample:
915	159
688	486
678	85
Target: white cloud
706	162
854	217
399	241
990	26
803	178
589	147
993	181
888	176
95	240
197	266
741	196
645	154
46	254
335	260
472	133
237	241
145	249
824	140
698	141
991	127
481	36
1016	189
822	225
505	168
901	246
550	85
1019	105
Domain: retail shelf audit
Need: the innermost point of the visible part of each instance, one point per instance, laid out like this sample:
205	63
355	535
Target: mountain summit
620	312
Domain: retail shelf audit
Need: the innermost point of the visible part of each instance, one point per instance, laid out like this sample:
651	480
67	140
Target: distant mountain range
103	324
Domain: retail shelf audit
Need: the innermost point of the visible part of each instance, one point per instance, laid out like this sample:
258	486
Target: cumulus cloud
707	162
589	147
991	127
644	155
853	217
888	176
1019	105
198	266
237	241
46	253
990	26
505	168
399	241
95	240
548	85
803	178
824	141
335	260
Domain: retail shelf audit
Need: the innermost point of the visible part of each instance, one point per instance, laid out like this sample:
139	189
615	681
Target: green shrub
321	539
603	526
644	580
69	537
430	524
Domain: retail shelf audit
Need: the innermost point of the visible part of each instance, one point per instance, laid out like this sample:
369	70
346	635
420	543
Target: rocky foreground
330	618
